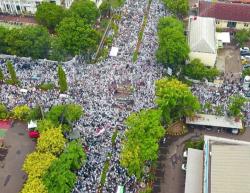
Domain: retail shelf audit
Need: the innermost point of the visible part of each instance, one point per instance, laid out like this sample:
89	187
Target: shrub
3	112
35	114
44	125
21	112
51	141
34	185
36	164
12	72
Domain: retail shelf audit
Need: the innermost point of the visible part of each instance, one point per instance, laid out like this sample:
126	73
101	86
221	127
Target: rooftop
214	121
202	34
193	183
225	11
229	168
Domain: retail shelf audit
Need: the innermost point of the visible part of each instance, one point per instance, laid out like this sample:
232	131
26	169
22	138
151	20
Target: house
29	7
231	16
202	40
221	167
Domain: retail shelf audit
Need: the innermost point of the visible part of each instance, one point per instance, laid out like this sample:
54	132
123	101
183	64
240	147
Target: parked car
246	66
184	167
244	49
245	53
185	154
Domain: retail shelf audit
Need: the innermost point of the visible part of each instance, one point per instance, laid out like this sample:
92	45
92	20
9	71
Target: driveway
19	145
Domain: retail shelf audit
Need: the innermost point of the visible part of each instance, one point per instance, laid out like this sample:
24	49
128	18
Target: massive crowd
108	91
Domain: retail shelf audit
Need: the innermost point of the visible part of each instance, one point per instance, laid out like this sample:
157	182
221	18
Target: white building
30	6
202	40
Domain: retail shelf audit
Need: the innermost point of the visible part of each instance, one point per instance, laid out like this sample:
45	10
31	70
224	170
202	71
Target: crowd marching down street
108	91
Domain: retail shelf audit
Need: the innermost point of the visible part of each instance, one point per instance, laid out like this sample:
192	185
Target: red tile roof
225	11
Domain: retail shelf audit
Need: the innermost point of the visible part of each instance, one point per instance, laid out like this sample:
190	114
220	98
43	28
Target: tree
242	36
3	111
73	155
235	106
44	125
51	141
76	37
170	22
141	142
73	112
12	73
173	49
36	164
34	185
35	114
85	9
21	112
59	178
177	7
175	100
105	8
1	75
3	33
31	41
198	71
62	79
49	15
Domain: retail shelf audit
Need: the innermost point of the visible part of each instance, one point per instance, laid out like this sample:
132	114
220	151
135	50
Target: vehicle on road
244	49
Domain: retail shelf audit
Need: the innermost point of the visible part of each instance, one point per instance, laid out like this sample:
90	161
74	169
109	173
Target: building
231	16
29	7
221	167
202	39
213	121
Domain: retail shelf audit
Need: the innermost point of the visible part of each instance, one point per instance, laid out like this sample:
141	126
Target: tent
32	124
113	51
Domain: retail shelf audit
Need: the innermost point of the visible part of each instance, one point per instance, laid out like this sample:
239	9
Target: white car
184	167
185	154
244	49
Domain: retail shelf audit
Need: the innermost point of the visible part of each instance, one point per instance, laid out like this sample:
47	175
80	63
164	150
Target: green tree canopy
62	79
73	155
1	75
31	41
177	7
170	22
105	8
12	72
236	104
242	36
198	71
141	142
49	15
173	48
175	99
3	34
75	36
85	9
44	125
3	111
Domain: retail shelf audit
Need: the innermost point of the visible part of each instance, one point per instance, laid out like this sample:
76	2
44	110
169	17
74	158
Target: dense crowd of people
108	91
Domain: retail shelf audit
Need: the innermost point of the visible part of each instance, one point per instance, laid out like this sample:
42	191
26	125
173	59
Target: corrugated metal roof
225	11
202	34
214	121
194	171
230	171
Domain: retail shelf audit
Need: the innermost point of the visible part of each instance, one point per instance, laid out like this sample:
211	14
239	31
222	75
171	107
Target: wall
239	25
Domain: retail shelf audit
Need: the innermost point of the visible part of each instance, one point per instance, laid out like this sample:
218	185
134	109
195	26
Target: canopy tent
113	51
32	124
23	90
